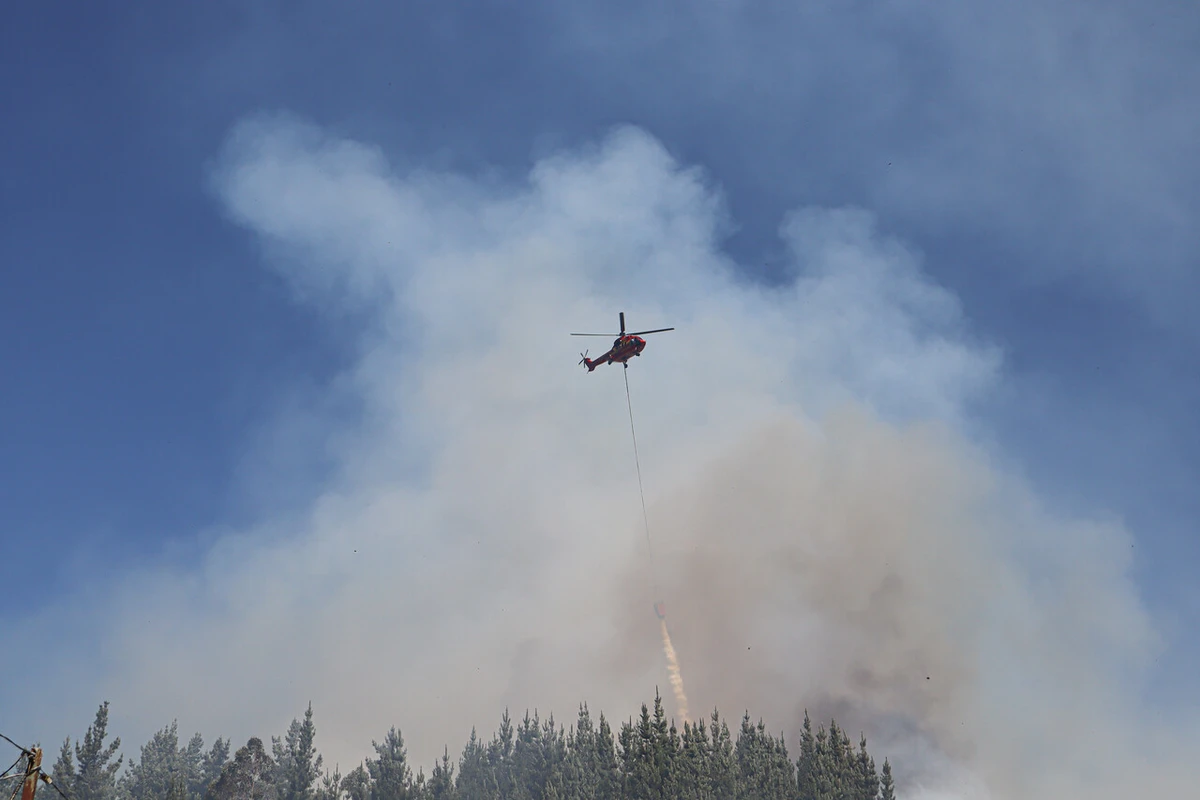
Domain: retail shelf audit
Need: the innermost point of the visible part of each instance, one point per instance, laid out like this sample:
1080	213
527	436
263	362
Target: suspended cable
676	676
641	491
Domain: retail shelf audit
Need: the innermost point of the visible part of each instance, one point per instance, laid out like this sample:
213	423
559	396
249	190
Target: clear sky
189	290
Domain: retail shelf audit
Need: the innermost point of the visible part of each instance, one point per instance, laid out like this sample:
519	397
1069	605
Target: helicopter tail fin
583	359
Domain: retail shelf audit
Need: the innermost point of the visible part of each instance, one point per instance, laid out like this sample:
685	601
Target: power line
24	751
5	776
33	772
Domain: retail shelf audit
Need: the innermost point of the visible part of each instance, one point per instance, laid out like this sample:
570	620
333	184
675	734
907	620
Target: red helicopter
625	346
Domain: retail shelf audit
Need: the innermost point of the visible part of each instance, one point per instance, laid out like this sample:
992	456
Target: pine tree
63	772
441	782
579	765
96	772
868	788
640	771
500	760
664	750
887	787
554	758
692	778
473	771
357	784
849	778
838	764
765	770
297	760
530	770
176	790
608	769
627	753
192	767
751	767
723	762
781	773
159	769
249	776
330	787
211	765
806	765
824	766
391	777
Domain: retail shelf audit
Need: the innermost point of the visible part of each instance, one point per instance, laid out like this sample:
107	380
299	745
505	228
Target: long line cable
641	492
676	676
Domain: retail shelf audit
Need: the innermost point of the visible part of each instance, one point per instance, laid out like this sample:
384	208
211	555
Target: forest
646	758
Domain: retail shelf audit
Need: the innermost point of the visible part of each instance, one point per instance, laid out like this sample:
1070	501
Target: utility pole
33	769
33	773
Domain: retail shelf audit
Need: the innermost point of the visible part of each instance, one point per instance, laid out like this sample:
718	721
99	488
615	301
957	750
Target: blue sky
168	380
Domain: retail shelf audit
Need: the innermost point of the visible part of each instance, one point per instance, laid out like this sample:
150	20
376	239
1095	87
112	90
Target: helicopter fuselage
623	349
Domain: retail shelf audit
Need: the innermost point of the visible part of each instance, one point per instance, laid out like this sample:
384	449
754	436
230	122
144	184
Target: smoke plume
827	532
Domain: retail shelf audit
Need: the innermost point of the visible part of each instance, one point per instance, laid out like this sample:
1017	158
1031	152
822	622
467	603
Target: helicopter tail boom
591	365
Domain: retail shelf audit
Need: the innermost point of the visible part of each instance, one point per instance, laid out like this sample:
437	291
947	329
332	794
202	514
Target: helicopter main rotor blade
622	313
656	330
608	335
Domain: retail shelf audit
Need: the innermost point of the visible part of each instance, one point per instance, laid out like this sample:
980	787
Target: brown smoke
859	570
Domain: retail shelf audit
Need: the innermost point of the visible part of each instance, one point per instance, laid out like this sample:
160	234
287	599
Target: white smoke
828	535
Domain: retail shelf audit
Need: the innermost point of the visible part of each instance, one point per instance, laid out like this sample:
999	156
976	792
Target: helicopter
624	347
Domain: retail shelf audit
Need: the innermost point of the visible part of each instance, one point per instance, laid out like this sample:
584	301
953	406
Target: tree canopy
644	758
